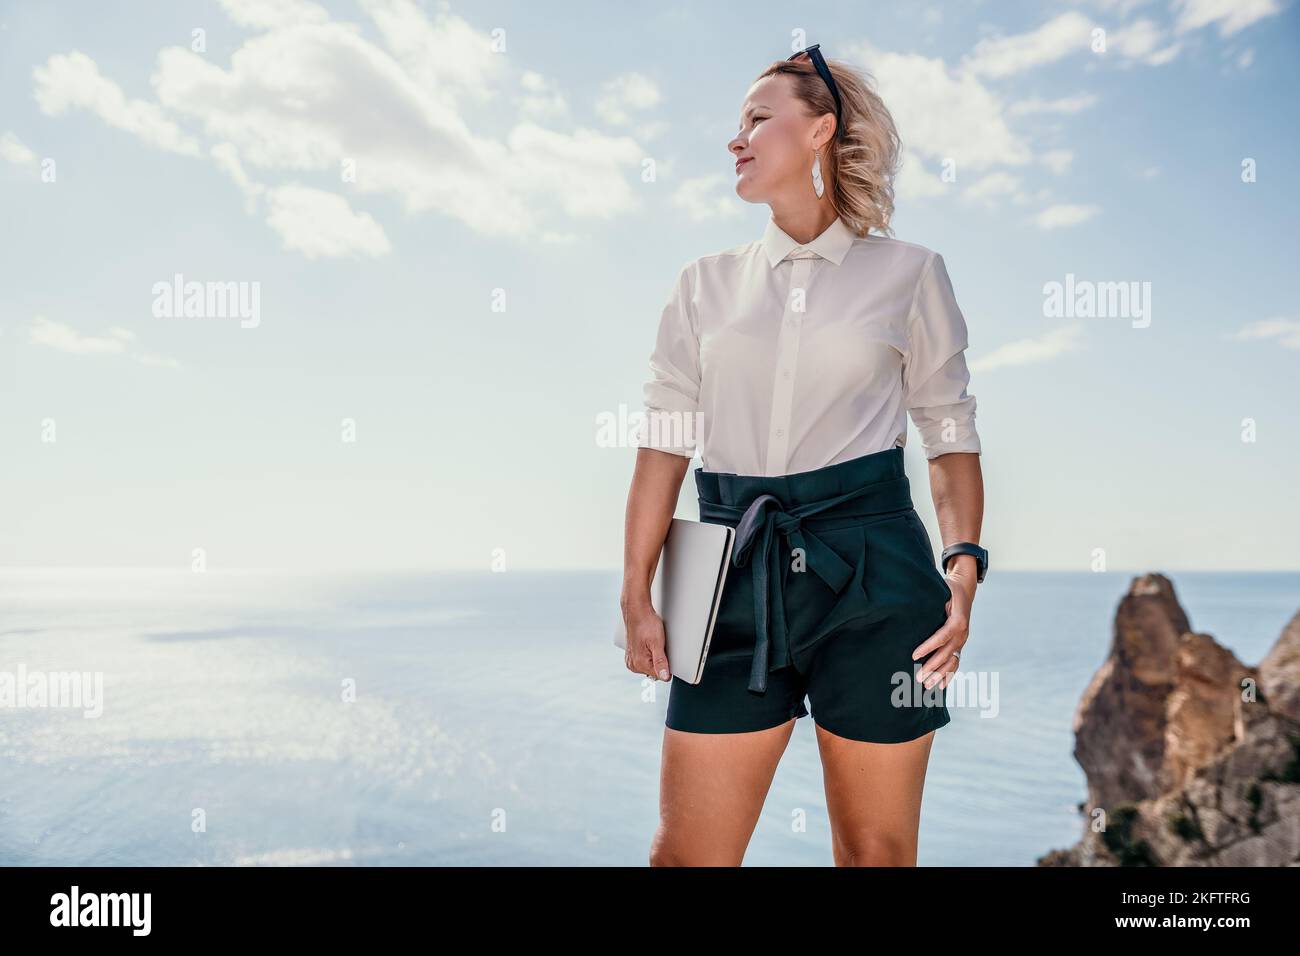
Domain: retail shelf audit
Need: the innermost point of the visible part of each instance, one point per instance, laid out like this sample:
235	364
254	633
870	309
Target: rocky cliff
1192	757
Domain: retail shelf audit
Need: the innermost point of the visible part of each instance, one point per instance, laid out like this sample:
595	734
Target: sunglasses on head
814	54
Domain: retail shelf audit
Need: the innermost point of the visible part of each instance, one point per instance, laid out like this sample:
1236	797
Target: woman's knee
875	849
667	850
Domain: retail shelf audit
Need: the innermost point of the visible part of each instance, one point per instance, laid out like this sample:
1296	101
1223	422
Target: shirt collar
832	244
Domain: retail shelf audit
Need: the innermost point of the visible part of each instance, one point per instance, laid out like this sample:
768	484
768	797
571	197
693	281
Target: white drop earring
818	188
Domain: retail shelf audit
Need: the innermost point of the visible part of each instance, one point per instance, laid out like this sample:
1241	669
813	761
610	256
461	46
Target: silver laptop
686	591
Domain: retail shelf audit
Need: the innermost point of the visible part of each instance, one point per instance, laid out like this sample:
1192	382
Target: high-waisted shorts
832	585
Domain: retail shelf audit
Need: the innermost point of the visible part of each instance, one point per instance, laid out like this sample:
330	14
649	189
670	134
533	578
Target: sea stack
1192	757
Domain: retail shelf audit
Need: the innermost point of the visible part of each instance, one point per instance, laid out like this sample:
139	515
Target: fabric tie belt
756	529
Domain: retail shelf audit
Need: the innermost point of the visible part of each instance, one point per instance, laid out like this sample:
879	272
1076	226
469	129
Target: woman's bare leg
873	797
711	792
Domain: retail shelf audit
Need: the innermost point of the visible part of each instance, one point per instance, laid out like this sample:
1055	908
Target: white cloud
623	96
1228	15
942	114
1065	104
304	98
158	361
991	187
315	222
915	181
1119	7
1064	215
265	14
1057	160
13	151
1067	34
1142	40
56	335
954	114
73	81
441	53
1285	331
1161	57
321	224
581	172
1029	351
64	338
541	99
304	94
706	197
1059	37
226	158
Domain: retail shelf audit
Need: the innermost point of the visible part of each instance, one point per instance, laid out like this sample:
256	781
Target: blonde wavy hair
861	159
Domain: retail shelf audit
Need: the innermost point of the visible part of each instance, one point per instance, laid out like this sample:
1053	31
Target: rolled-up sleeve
935	376
672	394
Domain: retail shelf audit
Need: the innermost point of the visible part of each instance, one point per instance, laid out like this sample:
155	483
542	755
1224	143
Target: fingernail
664	675
920	676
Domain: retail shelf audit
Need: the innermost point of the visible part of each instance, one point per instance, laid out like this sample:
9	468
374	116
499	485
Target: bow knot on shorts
833	584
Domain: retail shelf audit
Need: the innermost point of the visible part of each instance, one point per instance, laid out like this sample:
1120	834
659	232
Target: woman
790	363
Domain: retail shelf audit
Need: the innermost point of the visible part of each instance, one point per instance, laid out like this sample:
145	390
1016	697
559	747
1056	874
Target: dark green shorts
833	584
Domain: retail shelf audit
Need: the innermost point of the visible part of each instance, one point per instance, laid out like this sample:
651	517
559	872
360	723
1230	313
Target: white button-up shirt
774	358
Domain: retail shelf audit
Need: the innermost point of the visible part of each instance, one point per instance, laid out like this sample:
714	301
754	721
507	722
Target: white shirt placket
787	354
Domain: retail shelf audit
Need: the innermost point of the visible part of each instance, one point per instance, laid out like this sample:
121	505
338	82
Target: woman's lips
742	162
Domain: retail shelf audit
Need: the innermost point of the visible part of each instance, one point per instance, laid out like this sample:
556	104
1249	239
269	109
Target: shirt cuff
947	428
674	430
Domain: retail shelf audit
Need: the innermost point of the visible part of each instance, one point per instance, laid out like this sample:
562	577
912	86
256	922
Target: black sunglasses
815	55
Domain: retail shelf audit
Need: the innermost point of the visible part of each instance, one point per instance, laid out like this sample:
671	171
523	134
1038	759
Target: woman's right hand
656	483
645	641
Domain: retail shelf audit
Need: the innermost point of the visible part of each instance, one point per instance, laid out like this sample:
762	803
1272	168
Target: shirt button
785	372
780	432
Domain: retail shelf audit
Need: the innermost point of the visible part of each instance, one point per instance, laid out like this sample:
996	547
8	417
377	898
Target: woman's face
774	147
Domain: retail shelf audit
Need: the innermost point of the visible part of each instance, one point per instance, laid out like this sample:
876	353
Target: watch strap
980	555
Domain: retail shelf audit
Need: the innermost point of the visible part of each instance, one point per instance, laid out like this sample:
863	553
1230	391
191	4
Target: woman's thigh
711	792
873	798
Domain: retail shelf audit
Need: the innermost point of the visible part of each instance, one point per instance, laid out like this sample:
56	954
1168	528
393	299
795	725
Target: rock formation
1192	757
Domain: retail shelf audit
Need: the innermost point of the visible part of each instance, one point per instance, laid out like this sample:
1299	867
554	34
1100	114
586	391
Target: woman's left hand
947	642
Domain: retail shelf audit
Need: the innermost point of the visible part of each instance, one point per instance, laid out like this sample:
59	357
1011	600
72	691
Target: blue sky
445	212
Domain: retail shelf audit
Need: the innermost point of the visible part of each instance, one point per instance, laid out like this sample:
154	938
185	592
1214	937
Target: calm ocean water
493	722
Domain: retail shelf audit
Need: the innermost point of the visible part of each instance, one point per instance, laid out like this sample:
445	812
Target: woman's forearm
957	486
651	502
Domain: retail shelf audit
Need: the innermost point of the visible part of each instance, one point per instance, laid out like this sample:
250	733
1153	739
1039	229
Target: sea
484	719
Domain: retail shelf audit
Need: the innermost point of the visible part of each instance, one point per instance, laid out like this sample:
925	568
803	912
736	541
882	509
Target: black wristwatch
965	547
